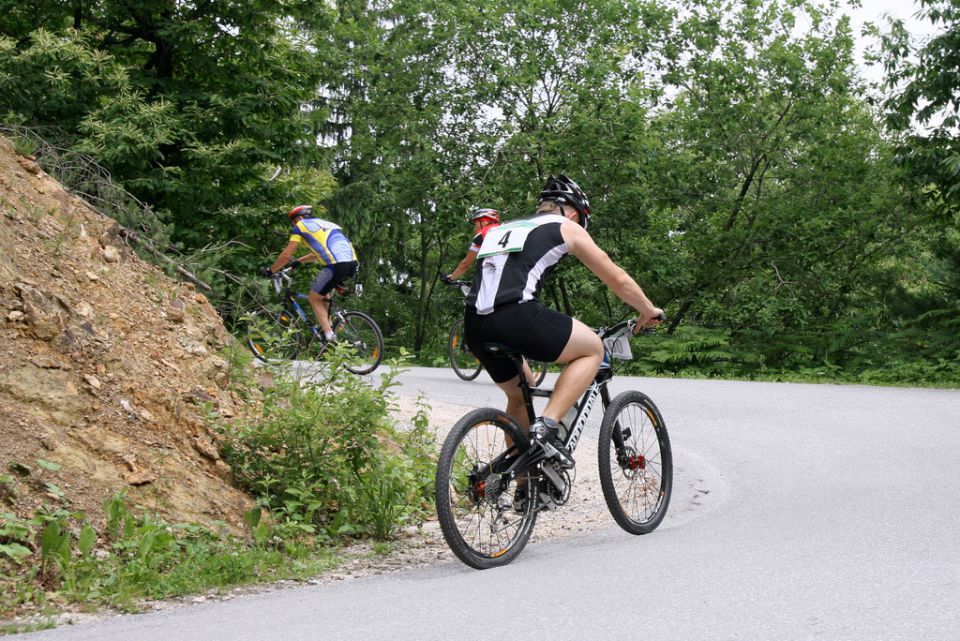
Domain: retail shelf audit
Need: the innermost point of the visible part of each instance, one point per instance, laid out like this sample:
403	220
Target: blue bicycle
291	334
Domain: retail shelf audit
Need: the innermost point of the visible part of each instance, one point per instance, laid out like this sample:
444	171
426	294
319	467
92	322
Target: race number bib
506	238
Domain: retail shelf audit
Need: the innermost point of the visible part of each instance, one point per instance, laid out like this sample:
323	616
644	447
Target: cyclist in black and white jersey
504	307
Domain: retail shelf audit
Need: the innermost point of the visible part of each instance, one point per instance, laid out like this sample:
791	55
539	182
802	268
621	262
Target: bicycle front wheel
269	336
539	371
484	519
360	332
636	464
462	360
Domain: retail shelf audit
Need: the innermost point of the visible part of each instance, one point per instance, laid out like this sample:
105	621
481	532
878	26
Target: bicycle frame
294	306
597	389
289	298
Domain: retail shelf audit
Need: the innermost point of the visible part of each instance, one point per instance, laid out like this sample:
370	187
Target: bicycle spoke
476	505
636	474
361	334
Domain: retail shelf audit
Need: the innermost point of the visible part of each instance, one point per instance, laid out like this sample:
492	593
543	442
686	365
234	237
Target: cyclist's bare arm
288	253
581	244
285	256
464	265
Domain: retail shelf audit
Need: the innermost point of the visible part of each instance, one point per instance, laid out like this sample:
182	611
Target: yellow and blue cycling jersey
325	239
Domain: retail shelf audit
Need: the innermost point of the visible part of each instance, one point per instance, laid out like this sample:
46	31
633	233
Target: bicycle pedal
547	502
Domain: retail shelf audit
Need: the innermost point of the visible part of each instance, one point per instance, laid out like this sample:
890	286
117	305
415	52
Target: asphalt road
801	512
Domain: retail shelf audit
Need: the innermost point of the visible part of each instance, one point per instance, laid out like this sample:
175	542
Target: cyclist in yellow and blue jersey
330	247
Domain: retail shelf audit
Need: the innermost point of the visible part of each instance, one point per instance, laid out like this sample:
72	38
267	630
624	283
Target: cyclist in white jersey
504	307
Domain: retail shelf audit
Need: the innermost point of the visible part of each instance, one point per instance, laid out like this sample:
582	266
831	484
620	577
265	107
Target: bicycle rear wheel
360	332
462	360
483	520
636	464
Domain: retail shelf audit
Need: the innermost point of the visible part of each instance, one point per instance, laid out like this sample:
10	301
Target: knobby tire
474	499
636	463
463	362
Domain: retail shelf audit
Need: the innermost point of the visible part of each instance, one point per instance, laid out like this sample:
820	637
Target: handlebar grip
662	316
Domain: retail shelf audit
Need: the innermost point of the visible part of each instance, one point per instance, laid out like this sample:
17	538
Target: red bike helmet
491	215
302	210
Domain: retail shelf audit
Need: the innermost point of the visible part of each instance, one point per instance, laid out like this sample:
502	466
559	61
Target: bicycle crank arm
554	477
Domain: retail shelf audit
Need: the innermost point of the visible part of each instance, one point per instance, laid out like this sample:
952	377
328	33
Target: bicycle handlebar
626	326
462	285
282	279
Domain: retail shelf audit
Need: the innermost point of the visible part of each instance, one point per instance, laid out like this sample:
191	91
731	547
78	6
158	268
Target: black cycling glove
446	278
266	272
293	264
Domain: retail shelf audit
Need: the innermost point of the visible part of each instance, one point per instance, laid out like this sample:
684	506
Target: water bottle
567	422
605	363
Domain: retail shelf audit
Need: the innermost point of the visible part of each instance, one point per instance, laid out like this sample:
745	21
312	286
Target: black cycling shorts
332	275
535	331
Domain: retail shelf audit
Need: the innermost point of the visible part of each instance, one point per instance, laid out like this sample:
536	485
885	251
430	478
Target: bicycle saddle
500	350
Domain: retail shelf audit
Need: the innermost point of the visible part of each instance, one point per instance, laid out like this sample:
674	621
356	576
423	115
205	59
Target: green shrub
326	457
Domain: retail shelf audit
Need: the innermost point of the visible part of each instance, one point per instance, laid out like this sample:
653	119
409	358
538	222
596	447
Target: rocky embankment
107	367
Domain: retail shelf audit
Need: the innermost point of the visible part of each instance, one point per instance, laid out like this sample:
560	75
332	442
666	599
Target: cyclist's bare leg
515	406
528	373
517	410
583	354
321	309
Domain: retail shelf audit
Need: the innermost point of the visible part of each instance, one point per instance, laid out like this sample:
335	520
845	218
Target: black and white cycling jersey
514	259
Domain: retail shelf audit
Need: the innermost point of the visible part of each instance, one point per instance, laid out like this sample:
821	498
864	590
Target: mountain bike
462	360
291	334
492	481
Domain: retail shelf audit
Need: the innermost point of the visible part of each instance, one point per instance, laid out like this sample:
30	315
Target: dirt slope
105	366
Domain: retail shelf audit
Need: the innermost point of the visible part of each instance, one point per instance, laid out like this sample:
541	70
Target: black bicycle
462	360
290	334
491	483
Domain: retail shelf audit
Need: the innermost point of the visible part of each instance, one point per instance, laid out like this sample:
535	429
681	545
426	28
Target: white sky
903	9
874	11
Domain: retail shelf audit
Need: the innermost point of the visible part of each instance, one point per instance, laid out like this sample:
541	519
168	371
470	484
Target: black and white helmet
561	189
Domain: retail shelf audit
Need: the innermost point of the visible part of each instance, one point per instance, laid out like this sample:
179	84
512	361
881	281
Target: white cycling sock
329	335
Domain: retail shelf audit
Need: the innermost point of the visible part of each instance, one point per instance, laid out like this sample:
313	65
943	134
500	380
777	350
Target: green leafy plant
326	458
15	537
25	146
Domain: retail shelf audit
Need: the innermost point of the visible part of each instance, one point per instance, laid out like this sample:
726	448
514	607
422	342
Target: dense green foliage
325	458
737	164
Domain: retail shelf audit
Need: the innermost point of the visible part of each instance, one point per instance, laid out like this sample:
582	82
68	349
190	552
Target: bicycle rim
362	334
539	371
636	463
463	362
483	521
266	337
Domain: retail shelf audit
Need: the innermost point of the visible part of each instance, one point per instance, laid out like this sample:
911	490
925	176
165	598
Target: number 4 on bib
506	238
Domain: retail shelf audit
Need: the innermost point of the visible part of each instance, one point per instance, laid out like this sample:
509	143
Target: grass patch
57	560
